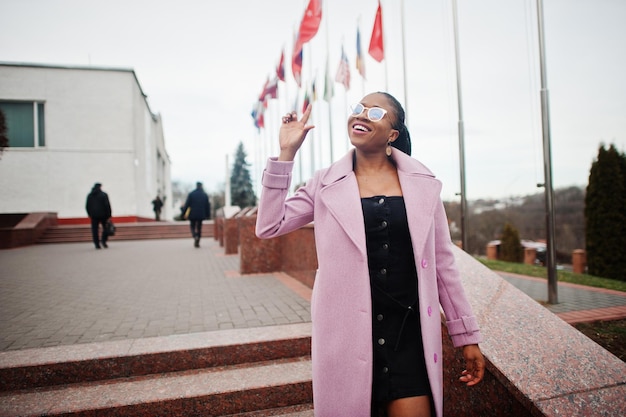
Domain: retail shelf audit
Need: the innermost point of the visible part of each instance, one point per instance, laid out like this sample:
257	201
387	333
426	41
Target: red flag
377	50
343	72
280	69
310	23
296	66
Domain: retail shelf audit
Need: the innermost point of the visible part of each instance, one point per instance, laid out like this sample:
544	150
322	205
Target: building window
25	123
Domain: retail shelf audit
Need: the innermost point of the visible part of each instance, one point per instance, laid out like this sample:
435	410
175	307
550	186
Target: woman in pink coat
385	268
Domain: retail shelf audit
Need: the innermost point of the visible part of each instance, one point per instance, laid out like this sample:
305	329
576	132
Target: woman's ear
393	135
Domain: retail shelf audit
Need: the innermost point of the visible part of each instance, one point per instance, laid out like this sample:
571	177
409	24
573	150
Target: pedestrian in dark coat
197	208
99	211
157	205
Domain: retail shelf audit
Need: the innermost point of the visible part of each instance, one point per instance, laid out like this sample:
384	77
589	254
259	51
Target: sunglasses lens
357	109
375	114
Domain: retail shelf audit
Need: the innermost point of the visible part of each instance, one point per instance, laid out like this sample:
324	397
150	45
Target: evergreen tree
605	215
511	249
241	191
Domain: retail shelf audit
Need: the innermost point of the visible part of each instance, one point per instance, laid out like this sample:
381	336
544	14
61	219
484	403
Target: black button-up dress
399	367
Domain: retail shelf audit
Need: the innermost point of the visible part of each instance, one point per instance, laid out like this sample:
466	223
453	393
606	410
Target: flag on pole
360	63
343	72
306	100
329	88
296	62
257	114
377	50
296	67
310	23
280	69
270	89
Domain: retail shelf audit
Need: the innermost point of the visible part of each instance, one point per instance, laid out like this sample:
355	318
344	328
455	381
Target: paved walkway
63	294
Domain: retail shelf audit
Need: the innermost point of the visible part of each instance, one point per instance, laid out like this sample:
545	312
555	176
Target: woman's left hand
475	365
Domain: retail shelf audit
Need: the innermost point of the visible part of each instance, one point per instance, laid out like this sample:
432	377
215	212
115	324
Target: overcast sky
203	64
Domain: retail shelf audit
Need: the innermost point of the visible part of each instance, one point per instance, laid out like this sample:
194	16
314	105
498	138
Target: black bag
110	228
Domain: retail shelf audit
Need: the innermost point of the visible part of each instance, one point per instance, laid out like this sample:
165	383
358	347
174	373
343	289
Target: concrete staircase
125	231
251	372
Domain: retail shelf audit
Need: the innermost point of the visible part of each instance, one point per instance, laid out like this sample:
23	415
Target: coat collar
419	187
404	163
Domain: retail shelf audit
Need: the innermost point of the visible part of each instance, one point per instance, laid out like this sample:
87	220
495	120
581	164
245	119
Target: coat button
383	223
381	341
424	263
381	201
430	311
383	271
385	370
379	317
385	246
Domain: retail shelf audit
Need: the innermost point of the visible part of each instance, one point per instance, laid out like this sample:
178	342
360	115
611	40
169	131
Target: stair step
300	410
209	392
125	231
266	370
45	367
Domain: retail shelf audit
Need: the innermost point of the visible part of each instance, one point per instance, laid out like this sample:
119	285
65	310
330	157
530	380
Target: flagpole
358	24
464	235
406	98
383	35
312	117
326	75
547	157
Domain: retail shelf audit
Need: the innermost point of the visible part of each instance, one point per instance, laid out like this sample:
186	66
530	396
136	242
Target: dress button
385	369
379	317
381	341
383	223
381	201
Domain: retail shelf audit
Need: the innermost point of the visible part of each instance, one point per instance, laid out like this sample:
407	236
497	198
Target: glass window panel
20	126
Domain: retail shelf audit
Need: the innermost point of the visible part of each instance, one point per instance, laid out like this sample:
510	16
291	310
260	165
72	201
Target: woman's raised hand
292	133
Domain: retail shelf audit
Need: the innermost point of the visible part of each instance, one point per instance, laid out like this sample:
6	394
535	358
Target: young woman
385	267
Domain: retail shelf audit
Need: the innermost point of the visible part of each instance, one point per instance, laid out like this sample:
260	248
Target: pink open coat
341	307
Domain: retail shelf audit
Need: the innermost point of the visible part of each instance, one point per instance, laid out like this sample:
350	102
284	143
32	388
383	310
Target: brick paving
576	303
63	294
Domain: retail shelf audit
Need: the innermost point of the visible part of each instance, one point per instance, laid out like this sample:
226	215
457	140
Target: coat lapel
421	191
340	194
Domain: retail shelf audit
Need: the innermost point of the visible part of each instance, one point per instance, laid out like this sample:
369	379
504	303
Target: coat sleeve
460	320
277	214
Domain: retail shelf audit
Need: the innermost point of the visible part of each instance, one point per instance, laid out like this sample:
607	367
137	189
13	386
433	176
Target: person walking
386	265
157	205
99	211
197	208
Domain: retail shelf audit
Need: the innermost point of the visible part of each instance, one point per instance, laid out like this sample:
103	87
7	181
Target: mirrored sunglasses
374	114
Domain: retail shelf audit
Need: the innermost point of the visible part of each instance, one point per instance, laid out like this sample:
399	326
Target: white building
70	127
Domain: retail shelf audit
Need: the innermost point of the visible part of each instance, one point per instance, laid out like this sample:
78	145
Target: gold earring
388	149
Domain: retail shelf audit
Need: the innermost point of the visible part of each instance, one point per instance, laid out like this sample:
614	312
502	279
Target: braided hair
403	142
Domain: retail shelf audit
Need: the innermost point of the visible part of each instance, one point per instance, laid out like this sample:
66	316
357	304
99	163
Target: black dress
399	367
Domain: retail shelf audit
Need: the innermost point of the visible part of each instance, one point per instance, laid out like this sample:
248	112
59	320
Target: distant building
70	127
